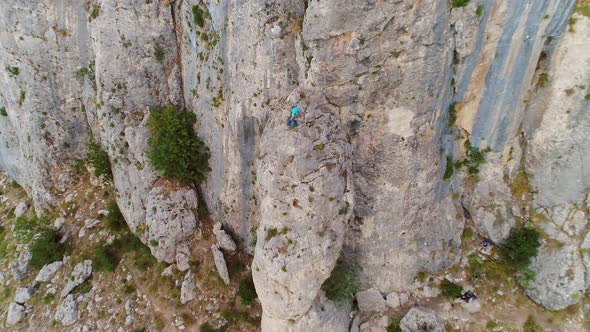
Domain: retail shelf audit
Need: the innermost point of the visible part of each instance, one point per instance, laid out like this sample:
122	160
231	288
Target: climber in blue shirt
294	114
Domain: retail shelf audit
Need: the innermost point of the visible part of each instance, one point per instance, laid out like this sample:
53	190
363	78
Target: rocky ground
139	295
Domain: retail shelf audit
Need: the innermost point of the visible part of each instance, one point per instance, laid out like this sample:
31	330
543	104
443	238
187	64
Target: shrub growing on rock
115	218
520	247
247	291
450	289
45	248
342	285
99	159
175	151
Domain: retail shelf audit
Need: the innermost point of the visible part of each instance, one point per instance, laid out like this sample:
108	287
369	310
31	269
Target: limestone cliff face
361	179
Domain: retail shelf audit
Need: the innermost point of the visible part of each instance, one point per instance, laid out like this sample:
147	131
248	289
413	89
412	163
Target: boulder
67	311
20	267
188	289
21	209
370	300
48	271
224	241
16	313
82	271
420	319
559	280
393	300
59	222
183	254
220	264
23	294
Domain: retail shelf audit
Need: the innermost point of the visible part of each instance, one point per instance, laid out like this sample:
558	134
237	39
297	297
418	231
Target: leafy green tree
520	247
175	151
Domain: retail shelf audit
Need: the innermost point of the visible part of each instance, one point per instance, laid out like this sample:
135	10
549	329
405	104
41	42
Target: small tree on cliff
175	151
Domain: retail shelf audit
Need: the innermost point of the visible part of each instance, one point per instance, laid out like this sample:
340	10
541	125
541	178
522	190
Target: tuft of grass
95	12
45	248
583	10
159	53
449	170
3	111
206	327
234	316
458	3
270	233
99	159
319	147
115	219
479	10
198	18
531	325
394	326
543	80
12	71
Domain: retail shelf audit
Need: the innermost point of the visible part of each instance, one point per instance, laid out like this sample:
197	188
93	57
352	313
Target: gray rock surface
21	209
371	300
48	271
188	290
82	271
183	255
360	179
20	266
23	294
67	312
16	313
224	241
560	277
420	319
220	264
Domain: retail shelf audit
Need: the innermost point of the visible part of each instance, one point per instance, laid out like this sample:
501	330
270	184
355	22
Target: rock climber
294	114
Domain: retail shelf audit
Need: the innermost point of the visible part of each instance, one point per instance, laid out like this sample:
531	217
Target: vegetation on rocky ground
44	241
175	151
342	285
99	160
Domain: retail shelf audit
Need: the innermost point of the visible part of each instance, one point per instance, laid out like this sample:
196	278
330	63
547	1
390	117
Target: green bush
175	151
520	247
479	10
458	3
198	16
206	327
3	111
159	53
233	316
531	325
13	71
474	158
105	258
45	248
450	289
342	285
247	291
449	169
25	229
115	219
394	326
99	159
